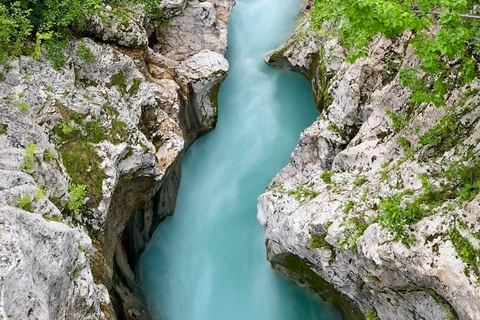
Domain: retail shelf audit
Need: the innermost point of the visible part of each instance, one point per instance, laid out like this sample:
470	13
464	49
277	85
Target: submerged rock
116	124
341	205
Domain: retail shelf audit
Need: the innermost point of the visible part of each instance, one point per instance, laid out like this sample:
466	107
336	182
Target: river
208	261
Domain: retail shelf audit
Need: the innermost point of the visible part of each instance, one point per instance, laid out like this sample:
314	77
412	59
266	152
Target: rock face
116	123
376	199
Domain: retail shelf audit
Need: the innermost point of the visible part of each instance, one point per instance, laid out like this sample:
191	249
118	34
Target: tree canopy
457	39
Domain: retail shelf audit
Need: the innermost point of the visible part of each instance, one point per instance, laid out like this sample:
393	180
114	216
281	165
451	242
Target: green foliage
398	122
29	158
84	53
326	176
127	177
118	80
76	202
123	14
25	203
39	194
404	142
83	165
27	25
48	155
65	129
119	131
333	127
456	38
360	180
364	195
135	86
3	128
23	106
445	133
95	132
15	29
466	177
319	242
371	314
348	206
303	194
464	248
394	216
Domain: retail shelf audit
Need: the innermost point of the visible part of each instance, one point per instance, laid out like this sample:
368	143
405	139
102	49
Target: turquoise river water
208	261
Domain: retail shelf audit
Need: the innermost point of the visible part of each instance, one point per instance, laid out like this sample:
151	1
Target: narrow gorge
145	170
207	261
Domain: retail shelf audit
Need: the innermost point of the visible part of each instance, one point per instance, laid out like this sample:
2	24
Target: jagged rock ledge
118	122
361	162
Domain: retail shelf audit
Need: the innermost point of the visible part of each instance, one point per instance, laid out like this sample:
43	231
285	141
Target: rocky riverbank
379	199
110	127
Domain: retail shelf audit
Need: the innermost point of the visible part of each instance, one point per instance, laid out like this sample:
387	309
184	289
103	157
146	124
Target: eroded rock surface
372	155
118	124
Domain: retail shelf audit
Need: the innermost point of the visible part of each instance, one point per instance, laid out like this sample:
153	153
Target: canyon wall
376	210
110	128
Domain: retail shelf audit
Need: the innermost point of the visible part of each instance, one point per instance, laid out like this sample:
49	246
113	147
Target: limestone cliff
111	125
379	197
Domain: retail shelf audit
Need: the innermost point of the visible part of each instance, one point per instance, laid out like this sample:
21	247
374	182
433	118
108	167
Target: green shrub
303	194
83	166
333	127
456	38
464	248
466	177
95	132
135	86
326	176
360	180
48	155
25	203
119	131
27	25
84	53
398	122
39	194
371	314
76	202
118	80
348	206
3	128
23	106
28	161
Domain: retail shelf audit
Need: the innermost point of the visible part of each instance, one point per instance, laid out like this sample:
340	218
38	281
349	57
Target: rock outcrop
110	126
378	198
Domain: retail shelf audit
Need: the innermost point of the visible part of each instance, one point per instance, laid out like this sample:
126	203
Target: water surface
207	262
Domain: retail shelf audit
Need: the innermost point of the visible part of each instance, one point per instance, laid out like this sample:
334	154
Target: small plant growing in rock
48	155
118	80
28	161
25	203
302	194
23	106
348	206
84	53
333	127
77	198
326	176
3	128
39	194
398	122
135	86
371	314
464	248
360	180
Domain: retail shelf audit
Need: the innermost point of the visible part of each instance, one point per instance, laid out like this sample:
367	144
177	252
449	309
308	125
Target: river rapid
208	261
